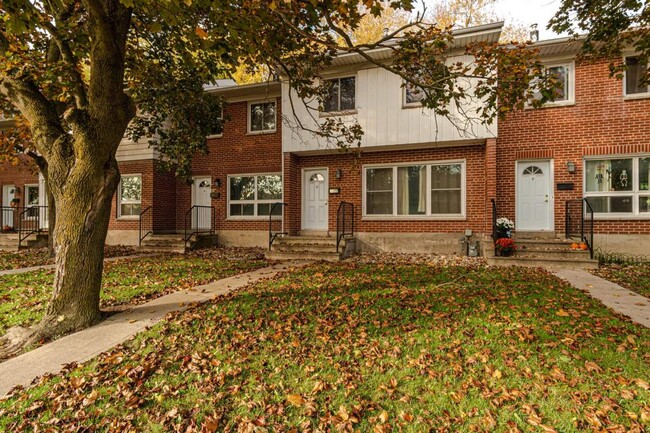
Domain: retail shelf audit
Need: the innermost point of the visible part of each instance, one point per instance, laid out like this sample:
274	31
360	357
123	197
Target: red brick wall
236	152
350	186
600	123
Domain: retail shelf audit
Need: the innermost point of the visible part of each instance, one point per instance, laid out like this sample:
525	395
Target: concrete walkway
83	345
618	298
38	268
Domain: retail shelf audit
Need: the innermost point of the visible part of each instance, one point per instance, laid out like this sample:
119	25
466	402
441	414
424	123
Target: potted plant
505	247
504	228
14	202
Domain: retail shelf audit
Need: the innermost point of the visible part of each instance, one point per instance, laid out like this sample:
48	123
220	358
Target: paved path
618	298
38	268
83	345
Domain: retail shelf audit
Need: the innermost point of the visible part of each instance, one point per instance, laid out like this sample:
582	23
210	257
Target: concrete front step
314	248
302	255
555	254
309	240
543	262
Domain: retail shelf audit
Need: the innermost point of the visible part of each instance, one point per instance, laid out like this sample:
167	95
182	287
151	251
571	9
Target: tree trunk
51	221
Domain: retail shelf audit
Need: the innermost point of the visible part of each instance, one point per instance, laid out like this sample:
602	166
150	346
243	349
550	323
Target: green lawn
41	256
365	347
23	297
635	277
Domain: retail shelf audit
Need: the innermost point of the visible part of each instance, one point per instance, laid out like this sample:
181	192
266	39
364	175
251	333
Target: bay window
415	190
618	186
252	196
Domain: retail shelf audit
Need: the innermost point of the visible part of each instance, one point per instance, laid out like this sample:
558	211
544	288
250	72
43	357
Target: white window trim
26	196
119	198
323	113
255	201
635	193
428	216
406	105
633	96
249	131
221	134
571	97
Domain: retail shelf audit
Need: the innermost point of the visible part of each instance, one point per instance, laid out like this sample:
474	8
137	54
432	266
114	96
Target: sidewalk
618	298
83	345
38	268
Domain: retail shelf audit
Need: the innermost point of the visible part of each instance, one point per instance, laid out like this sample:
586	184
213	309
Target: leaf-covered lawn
635	277
23	297
365	347
41	256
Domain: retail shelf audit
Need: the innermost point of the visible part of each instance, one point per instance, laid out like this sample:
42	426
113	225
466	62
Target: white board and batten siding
382	116
130	150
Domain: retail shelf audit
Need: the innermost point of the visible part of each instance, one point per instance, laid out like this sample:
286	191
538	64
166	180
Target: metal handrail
8	218
29	222
150	231
272	235
586	230
191	231
341	225
494	223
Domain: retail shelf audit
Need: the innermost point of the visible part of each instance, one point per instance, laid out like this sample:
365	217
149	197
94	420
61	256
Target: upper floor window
341	95
262	117
130	196
563	92
217	130
413	95
635	70
619	185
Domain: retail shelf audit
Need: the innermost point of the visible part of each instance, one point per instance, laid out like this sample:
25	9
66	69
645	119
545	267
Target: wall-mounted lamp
338	174
217	183
571	167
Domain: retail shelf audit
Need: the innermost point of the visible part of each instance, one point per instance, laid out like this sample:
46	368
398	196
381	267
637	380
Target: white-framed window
635	70
564	74
341	95
415	190
618	186
261	117
217	131
130	196
31	199
412	95
253	195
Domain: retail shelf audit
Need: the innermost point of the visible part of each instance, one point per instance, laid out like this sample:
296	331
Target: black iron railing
273	235
30	222
579	222
199	220
344	222
494	224
8	215
145	224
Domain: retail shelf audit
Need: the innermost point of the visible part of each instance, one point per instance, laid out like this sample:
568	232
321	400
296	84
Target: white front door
315	188
8	194
202	216
534	196
42	201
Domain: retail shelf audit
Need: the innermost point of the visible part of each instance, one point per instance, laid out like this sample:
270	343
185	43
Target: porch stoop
9	241
309	247
545	252
175	243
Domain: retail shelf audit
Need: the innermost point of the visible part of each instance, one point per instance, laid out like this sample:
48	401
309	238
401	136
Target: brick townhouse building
420	183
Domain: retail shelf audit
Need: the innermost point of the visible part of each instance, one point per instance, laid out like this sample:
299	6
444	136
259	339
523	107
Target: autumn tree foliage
75	70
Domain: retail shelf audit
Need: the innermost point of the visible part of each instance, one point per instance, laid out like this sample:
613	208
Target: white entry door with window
8	194
534	196
202	215
315	194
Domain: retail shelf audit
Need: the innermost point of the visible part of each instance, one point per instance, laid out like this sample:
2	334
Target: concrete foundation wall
439	243
122	237
243	238
637	245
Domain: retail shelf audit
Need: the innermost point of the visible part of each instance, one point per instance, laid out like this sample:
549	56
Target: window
340	95
130	196
635	70
417	190
254	195
262	117
564	79
618	185
217	129
413	95
31	199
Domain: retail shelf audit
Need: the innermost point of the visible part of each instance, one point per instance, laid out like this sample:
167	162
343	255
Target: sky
529	12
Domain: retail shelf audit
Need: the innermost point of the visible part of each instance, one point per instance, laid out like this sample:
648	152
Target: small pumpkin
584	247
575	246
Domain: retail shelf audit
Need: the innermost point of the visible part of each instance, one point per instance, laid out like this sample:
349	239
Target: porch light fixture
338	174
217	183
571	167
